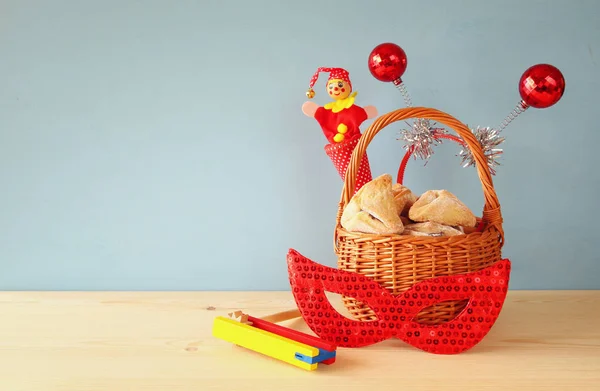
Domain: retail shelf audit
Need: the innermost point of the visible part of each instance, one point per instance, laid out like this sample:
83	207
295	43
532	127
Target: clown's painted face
338	89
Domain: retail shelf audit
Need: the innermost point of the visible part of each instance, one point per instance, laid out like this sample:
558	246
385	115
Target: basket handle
491	209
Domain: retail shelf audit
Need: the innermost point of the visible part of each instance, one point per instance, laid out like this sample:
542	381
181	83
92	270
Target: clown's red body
346	122
340	121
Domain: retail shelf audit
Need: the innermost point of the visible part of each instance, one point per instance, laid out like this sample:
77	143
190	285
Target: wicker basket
397	262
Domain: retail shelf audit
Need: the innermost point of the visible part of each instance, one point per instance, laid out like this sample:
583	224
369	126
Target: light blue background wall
159	145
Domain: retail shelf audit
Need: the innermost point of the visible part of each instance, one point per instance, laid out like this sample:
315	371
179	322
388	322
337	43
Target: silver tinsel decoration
489	139
421	137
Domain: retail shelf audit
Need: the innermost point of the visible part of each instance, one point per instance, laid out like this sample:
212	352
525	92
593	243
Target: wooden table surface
116	341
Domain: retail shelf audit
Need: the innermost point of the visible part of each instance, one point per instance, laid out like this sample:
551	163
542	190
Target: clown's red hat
334	73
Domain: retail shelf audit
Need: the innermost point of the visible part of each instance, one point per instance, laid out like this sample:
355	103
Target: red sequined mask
485	291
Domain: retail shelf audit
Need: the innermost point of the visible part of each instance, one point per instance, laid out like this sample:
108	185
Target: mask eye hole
350	308
442	312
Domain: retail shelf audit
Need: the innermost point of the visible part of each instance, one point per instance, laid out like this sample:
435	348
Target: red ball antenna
540	86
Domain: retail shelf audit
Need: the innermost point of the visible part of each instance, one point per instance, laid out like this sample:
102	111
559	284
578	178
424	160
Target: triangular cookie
373	209
443	207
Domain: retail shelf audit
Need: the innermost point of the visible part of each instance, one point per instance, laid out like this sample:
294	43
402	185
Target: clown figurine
340	121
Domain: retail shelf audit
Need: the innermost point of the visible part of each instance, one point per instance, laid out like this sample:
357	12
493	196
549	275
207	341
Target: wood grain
76	341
